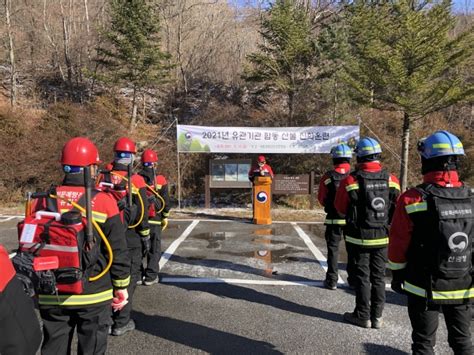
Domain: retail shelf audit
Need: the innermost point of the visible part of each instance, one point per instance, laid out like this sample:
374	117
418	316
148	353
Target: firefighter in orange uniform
138	230
19	328
158	213
88	312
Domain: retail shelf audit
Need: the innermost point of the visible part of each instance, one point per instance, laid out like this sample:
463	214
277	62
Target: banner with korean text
283	140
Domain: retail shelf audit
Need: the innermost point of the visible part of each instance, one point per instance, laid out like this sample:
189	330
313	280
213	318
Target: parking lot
229	286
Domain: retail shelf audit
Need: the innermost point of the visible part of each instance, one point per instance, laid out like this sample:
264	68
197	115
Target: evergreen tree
287	52
404	59
333	44
131	51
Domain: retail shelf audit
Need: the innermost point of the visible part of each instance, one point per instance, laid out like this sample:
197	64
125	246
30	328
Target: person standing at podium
261	191
260	169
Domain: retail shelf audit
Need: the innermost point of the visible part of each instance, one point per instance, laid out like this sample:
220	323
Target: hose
142	205
101	234
159	196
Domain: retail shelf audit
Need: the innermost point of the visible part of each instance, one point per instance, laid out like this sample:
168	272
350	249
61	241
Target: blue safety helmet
341	150
440	143
367	146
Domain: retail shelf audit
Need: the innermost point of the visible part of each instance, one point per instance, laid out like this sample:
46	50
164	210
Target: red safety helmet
125	144
80	151
261	159
149	156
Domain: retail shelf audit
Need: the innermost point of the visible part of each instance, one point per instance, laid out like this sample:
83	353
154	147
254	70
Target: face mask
68	169
124	158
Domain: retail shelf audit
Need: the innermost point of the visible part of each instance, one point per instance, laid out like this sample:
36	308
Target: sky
461	6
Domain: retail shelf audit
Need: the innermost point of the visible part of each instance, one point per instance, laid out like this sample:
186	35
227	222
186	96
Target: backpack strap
51	203
423	190
107	176
82	201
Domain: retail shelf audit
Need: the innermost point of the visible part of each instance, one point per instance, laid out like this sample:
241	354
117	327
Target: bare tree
66	41
11	51
208	39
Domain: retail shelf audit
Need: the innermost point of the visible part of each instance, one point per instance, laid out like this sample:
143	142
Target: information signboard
229	173
291	184
233	173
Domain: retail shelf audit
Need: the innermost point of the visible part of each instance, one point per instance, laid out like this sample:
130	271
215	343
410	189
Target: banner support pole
179	169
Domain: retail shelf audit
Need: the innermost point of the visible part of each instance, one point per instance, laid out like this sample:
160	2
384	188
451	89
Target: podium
262	200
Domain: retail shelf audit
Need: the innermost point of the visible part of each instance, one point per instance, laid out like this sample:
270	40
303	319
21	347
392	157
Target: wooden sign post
262	200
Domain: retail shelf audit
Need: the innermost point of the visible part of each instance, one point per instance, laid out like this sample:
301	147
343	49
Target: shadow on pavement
391	297
218	217
382	349
250	295
200	337
395	298
228	265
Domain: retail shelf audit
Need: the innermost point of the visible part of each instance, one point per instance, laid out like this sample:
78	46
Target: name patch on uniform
376	186
458	211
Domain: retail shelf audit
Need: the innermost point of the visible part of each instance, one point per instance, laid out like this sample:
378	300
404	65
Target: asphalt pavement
231	287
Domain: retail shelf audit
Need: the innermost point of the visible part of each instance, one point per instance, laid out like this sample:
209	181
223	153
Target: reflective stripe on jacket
412	207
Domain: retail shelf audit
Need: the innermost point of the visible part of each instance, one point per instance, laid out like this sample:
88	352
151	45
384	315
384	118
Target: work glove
146	245
398	276
164	223
120	299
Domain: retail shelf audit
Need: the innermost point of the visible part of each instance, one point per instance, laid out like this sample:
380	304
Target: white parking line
172	248
239	281
298	222
8	218
209	280
316	252
201	220
233	220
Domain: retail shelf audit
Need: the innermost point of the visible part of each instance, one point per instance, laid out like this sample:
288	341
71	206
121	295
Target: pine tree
404	59
131	51
287	52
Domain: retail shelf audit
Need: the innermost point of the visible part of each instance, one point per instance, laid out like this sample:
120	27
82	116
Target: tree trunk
179	58
291	99
57	64
405	150
472	115
13	91
66	37
88	31
133	120
334	113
